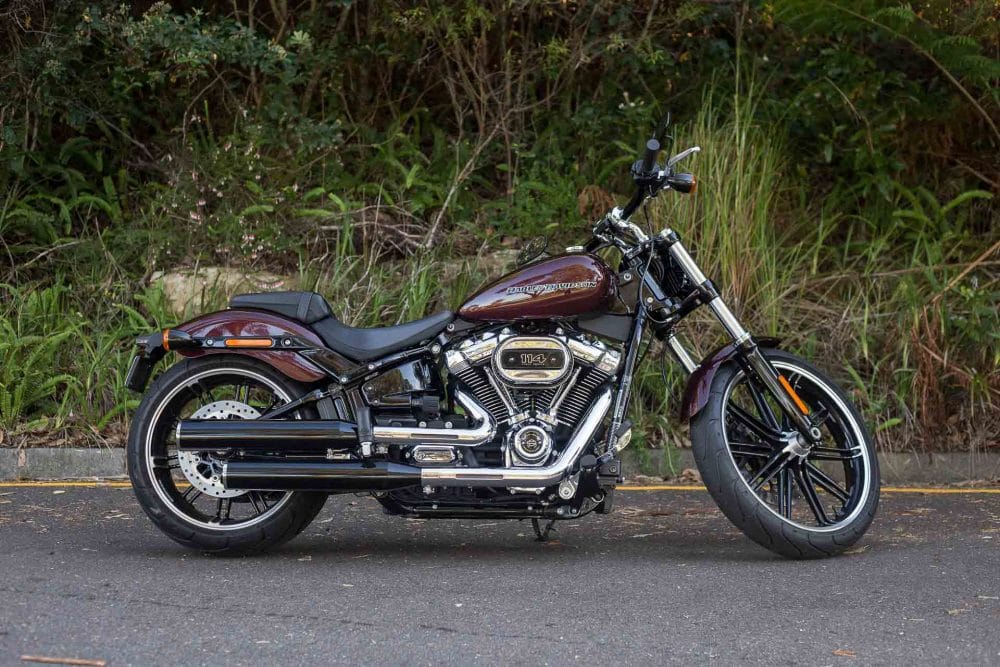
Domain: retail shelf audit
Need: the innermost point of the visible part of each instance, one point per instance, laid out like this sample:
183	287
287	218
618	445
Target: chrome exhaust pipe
457	437
383	475
525	477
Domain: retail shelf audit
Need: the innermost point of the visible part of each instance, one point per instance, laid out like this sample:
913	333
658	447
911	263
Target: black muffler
196	435
318	476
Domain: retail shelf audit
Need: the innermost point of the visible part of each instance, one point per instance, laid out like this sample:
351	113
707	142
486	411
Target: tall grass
897	301
733	225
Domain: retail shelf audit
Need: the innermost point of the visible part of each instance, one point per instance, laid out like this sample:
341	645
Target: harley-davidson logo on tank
561	286
551	287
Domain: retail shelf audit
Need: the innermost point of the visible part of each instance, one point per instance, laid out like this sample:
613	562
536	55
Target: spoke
224	507
191	494
826	482
774	465
252	497
819	416
204	395
763	409
809	491
750	449
166	462
834	453
785	493
752	424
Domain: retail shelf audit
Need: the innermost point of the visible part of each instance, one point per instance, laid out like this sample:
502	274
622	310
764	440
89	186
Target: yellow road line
92	485
98	484
916	489
885	489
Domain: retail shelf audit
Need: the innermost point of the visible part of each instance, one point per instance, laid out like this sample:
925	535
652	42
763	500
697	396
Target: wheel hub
203	469
795	445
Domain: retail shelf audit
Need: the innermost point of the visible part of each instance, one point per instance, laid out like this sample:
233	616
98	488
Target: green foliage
846	196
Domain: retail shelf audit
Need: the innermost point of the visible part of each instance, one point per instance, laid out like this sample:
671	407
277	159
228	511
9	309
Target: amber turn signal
684	183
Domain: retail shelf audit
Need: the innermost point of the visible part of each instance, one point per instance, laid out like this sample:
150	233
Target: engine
535	387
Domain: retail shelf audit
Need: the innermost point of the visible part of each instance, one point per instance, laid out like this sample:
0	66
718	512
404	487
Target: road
665	580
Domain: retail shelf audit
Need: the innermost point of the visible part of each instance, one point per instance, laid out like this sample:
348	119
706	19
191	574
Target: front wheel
798	500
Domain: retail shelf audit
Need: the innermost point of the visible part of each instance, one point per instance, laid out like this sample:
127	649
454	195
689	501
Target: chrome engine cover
532	360
528	444
538	401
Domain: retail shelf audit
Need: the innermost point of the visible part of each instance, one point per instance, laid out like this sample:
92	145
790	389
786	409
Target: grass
898	302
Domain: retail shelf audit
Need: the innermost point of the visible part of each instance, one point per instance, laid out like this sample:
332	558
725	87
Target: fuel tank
560	286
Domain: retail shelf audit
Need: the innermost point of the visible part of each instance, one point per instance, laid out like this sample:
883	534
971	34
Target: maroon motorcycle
513	407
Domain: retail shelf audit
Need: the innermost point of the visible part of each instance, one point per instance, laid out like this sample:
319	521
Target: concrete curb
86	463
61	463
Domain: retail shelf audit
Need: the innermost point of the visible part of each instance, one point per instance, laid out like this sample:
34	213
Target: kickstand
541	534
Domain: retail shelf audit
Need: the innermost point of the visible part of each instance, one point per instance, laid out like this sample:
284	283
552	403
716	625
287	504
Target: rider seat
358	343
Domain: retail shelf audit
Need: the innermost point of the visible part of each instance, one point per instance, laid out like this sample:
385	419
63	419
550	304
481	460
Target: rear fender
252	323
700	383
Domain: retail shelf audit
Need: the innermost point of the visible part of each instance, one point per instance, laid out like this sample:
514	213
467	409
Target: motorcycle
513	407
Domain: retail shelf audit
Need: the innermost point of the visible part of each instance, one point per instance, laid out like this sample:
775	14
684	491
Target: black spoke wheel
795	498
181	491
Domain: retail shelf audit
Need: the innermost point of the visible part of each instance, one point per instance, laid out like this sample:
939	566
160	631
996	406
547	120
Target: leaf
315	192
338	201
312	213
888	423
845	653
257	208
968	195
901	14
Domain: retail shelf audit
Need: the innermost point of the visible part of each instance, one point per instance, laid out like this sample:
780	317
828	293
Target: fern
957	56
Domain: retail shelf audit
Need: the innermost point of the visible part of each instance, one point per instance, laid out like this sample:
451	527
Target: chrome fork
775	383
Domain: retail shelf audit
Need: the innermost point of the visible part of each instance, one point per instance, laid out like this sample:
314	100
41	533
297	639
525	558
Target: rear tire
729	468
147	439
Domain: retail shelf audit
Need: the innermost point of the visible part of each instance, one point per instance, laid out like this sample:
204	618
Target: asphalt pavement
664	580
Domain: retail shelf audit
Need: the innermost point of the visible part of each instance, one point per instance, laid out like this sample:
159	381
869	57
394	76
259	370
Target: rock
193	291
485	267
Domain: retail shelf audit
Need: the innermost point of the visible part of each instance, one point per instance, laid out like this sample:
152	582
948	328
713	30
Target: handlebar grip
649	160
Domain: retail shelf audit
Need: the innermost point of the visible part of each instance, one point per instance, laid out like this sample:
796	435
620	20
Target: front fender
251	323
700	383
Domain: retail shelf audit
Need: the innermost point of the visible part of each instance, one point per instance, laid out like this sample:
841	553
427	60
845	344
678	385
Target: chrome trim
616	219
471	352
434	454
461	437
681	255
563	393
526	477
501	391
682	355
527	458
600	357
729	321
683	154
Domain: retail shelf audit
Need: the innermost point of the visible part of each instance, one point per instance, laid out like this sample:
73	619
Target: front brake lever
683	154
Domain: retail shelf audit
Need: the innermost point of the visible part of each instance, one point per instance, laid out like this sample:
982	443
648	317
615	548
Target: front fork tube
769	376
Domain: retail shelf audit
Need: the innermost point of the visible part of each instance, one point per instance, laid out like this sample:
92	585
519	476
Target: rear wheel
181	491
798	500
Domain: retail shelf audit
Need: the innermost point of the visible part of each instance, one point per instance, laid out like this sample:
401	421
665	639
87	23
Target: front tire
178	491
797	501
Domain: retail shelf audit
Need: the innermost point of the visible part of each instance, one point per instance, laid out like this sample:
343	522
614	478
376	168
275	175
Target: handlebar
649	160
